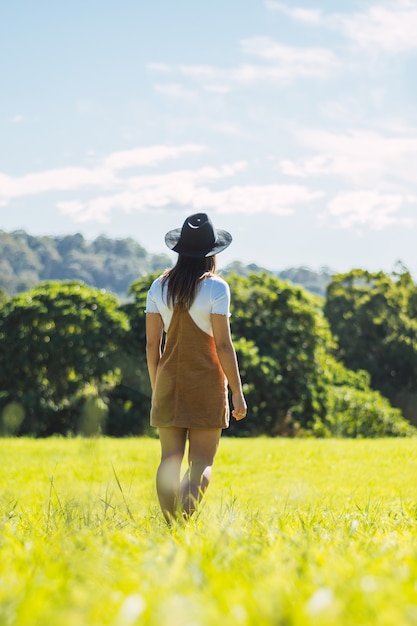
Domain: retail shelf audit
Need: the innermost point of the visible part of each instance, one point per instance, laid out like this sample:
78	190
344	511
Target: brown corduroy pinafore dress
190	386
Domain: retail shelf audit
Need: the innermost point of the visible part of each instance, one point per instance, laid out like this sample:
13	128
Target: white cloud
188	189
379	168
388	26
180	182
311	16
175	90
391	27
75	209
278	64
357	156
256	199
52	180
150	156
140	192
304	61
193	189
354	210
104	175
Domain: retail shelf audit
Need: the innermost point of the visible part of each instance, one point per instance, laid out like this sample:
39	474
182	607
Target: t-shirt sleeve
151	306
220	298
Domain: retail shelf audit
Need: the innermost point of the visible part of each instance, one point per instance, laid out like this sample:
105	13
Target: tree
72	359
55	340
110	264
130	400
373	318
292	381
3	296
359	413
280	335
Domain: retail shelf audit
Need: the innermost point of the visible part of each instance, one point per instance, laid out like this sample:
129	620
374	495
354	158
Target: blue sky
292	125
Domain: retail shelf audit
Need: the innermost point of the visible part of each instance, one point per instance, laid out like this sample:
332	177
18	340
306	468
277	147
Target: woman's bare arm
228	361
154	332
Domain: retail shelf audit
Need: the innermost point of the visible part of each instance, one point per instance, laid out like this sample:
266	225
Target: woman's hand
239	406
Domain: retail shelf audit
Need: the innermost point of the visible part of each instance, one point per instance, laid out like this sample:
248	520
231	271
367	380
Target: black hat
198	237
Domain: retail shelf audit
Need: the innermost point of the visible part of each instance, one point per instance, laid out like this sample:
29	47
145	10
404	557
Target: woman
189	376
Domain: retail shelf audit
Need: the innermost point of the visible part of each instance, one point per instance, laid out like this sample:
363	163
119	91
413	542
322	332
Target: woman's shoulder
218	287
216	279
157	282
216	284
156	288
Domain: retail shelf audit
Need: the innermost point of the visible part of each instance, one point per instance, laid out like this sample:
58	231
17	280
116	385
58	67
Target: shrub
359	413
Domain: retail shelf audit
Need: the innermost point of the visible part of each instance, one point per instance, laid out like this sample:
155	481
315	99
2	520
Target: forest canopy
72	358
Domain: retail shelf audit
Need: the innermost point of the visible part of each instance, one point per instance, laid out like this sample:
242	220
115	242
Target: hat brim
223	240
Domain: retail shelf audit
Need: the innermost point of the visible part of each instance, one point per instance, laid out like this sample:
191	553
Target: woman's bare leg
203	444
168	474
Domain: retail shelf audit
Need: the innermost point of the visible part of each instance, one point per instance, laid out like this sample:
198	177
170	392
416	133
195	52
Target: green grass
292	532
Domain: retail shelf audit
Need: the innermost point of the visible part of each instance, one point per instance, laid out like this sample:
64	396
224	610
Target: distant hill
312	281
315	282
110	264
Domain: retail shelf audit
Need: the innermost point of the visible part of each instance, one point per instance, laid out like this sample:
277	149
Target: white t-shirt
213	296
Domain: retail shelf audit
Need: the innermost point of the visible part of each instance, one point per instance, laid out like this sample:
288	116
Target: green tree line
72	358
105	263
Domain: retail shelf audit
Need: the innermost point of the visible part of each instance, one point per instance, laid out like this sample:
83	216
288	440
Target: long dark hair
184	278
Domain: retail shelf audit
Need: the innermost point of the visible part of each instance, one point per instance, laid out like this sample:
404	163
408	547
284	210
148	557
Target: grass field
292	532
